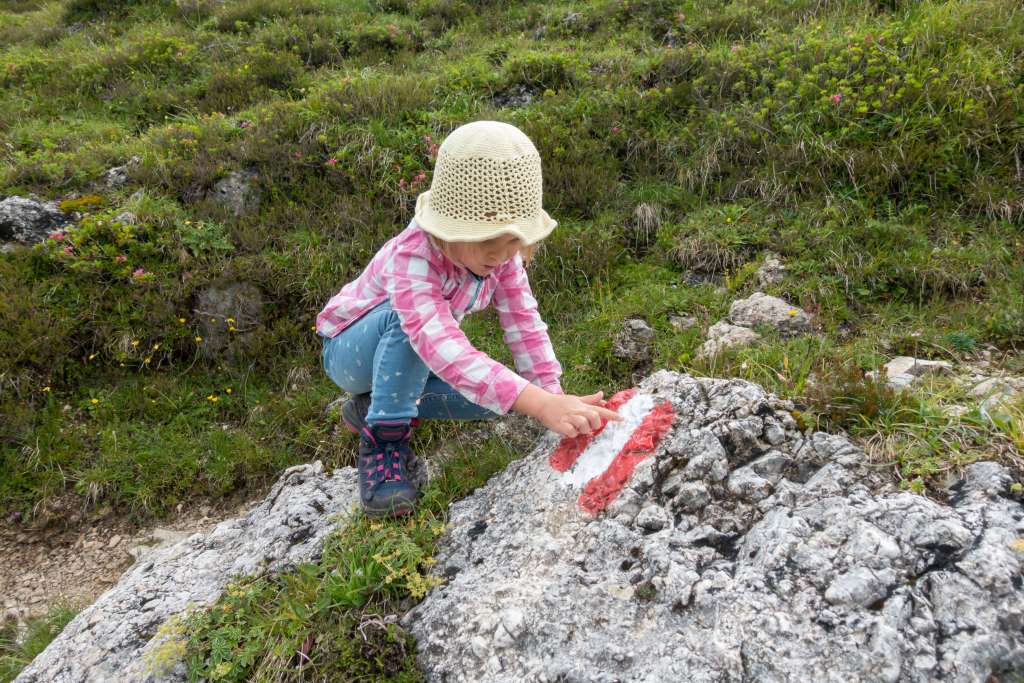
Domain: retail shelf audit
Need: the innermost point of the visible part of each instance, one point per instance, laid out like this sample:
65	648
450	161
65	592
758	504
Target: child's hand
574	415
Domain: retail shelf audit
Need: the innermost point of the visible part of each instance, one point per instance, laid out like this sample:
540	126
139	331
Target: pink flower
120	258
138	272
68	249
421	175
836	98
297	154
332	162
615	130
58	236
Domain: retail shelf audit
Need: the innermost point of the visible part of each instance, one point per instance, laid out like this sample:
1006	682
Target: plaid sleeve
414	287
525	332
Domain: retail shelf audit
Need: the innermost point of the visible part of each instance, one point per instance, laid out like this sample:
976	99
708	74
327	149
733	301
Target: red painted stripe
570	447
603	488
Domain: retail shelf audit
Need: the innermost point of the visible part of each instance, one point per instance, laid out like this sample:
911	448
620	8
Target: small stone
114	541
653	518
723	335
681	323
916	367
771	272
634	341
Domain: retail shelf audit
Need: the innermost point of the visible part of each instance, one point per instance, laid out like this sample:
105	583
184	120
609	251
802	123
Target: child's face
483	257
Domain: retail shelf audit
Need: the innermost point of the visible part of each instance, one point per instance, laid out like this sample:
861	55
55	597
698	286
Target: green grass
339	612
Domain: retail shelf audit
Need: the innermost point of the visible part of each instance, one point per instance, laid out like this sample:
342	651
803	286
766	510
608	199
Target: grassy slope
876	146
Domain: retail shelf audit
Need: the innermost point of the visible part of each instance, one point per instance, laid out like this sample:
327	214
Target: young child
391	337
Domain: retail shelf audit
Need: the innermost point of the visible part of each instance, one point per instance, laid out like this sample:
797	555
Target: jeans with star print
373	355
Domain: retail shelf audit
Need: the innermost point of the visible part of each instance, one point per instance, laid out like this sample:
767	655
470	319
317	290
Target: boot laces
385	462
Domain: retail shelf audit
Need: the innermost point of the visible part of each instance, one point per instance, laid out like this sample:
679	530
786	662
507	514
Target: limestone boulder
114	639
738	549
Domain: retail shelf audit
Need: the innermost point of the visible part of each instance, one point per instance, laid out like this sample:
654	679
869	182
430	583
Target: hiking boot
385	487
353	413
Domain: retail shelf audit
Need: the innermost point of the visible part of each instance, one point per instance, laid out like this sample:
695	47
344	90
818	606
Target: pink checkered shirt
431	295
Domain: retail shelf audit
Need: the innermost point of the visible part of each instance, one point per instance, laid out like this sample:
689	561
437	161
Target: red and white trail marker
599	464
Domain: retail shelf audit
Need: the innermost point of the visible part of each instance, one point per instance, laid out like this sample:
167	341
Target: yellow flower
122	365
148	358
792	311
188	222
313	328
728	220
94	401
213	320
228	390
232	328
198	339
229	320
156	346
46	390
91	356
135	342
1018	545
181	320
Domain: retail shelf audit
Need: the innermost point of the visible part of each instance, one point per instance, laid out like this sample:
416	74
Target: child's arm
526	336
525	332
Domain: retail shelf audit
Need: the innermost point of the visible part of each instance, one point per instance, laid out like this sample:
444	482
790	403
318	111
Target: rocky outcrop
113	639
28	221
740	549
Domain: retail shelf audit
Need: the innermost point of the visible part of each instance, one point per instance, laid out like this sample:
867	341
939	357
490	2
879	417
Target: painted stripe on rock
605	487
570	447
602	450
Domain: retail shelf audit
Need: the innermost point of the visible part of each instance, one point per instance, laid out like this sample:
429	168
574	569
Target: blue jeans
373	355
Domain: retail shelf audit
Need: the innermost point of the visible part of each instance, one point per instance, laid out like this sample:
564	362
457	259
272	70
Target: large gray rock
28	221
762	309
740	550
112	640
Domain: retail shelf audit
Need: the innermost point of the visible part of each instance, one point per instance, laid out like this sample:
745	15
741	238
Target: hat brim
451	230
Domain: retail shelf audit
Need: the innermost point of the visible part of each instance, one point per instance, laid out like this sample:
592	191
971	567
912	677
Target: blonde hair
525	251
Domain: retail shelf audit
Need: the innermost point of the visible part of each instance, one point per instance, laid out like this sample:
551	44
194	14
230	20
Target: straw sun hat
487	182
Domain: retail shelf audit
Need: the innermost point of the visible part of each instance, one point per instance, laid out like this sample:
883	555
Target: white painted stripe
602	450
